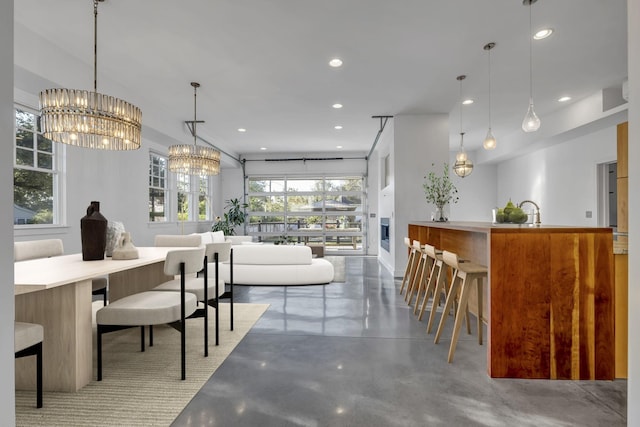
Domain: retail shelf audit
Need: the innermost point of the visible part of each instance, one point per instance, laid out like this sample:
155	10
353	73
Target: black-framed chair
155	308
28	339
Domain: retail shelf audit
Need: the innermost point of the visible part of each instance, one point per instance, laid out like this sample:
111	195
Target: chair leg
436	295
451	296
480	307
150	335
104	297
39	375
462	306
206	306
142	338
99	350
429	289
183	341
217	301
231	285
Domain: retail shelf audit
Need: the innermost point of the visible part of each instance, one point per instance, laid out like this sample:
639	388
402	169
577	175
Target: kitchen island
549	298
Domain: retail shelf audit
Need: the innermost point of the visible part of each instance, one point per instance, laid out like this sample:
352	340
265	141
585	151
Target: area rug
338	262
141	389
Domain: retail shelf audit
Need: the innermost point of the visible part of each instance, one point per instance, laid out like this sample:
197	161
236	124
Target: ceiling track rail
305	159
189	124
383	123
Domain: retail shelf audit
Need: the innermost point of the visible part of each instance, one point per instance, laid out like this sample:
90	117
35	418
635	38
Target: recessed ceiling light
335	62
543	34
337	127
263	148
337	106
242	130
564	99
467	102
338	146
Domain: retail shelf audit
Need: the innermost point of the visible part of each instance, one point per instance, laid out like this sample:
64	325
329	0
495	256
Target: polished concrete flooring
353	354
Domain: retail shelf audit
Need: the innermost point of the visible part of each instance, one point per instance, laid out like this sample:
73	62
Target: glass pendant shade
463	166
192	159
531	122
489	142
90	119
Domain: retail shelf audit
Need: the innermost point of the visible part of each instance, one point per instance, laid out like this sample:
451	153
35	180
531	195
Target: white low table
56	293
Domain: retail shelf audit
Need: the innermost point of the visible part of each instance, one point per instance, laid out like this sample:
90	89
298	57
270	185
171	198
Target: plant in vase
232	218
440	190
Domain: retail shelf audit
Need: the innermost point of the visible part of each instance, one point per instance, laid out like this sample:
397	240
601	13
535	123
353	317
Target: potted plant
233	217
440	190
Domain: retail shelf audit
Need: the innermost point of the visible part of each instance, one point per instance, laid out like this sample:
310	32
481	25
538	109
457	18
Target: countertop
488	227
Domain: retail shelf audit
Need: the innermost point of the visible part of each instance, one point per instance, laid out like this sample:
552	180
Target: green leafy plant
233	217
440	190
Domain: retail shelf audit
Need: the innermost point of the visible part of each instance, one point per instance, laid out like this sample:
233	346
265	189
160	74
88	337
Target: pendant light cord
95	45
530	56
489	51
195	114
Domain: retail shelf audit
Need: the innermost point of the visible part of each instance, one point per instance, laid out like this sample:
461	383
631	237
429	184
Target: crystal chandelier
531	122
192	159
90	119
463	166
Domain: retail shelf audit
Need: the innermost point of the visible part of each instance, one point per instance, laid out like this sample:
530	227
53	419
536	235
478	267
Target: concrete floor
353	354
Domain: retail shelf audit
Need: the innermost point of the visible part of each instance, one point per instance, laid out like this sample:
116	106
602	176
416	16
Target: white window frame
58	153
167	188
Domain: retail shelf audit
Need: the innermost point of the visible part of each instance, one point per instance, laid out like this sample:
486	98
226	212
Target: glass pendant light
489	142
463	166
531	122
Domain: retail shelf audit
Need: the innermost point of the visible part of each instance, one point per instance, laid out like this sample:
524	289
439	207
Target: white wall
119	180
386	193
7	375
633	393
561	179
419	142
477	192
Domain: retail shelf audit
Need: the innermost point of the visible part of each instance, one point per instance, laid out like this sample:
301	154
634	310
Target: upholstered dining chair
155	308
207	291
28	342
33	249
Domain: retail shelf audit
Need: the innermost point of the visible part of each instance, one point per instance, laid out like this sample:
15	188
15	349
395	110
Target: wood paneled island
550	295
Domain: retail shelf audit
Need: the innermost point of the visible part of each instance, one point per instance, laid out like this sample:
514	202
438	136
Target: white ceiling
263	65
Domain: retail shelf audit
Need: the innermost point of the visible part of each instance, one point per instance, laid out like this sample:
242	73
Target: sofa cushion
272	255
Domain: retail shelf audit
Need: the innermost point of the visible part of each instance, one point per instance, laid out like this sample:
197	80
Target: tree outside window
34	173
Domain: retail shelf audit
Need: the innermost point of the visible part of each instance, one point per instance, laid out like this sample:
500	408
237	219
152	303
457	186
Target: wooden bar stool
418	272
433	256
440	288
411	265
466	274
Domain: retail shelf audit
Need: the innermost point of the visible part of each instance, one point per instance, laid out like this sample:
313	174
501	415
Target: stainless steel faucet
537	221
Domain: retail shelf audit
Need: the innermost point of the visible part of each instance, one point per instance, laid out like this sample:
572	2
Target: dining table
56	293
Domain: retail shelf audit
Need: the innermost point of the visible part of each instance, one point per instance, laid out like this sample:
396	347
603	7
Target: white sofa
276	265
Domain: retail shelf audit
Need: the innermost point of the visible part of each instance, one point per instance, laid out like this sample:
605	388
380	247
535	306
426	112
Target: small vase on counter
124	248
93	232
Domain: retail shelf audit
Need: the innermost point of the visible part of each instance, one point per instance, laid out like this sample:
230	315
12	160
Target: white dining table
56	293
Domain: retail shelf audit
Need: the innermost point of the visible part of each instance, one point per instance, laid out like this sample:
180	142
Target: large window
35	173
158	188
193	198
184	199
323	210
